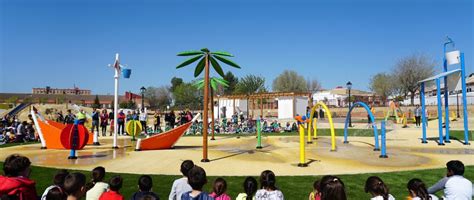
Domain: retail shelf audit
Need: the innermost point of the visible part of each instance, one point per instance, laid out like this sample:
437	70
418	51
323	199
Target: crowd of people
16	184
14	130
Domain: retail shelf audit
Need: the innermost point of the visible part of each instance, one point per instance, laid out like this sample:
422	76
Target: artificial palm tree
205	57
215	82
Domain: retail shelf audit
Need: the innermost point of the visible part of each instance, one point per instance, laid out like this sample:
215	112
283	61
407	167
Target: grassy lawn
293	187
16	144
460	135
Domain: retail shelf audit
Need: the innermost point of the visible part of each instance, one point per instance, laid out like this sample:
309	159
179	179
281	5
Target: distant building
49	90
338	97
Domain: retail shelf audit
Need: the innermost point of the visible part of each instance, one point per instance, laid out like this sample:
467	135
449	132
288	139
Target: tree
382	84
158	97
128	104
12	100
232	82
206	57
96	102
313	85
175	82
289	81
187	95
250	84
409	71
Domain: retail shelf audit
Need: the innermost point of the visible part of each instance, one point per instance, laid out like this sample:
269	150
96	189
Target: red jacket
111	195
22	187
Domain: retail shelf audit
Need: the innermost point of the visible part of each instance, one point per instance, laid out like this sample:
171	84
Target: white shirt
263	194
433	197
390	197
43	197
95	192
455	188
180	186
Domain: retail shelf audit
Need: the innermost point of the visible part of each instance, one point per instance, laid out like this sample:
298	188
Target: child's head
455	167
268	180
145	183
115	183
56	193
16	165
317	186
60	177
197	178
148	197
332	188
220	186
186	166
74	184
250	187
417	188
376	187
98	174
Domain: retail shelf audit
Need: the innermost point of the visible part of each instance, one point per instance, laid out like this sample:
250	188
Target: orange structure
52	134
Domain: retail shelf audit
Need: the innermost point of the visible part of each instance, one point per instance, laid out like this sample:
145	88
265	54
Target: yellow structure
313	126
302	149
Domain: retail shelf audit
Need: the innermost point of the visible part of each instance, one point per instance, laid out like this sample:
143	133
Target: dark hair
148	197
268	180
15	164
56	193
98	175
115	183
250	187
332	188
418	188
317	185
220	186
375	186
145	183
186	166
59	177
74	182
197	178
456	166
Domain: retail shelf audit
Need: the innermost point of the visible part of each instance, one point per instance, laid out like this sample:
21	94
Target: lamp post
143	90
349	87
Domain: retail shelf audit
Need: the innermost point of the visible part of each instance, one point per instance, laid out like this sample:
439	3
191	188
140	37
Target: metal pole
116	78
383	153
350	117
457	104
464	101
440	112
446	94
423	111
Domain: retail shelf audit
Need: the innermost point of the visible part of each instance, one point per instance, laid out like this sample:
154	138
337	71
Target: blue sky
62	43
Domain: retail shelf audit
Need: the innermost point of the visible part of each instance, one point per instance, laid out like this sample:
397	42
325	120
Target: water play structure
451	76
372	118
165	140
312	126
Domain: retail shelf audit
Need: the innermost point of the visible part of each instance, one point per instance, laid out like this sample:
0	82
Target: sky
61	43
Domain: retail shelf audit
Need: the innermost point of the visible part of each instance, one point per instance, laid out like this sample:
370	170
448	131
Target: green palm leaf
190	53
221	81
226	61
222	53
199	83
200	66
213	85
216	66
189	61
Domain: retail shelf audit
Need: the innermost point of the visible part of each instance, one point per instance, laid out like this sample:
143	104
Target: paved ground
238	156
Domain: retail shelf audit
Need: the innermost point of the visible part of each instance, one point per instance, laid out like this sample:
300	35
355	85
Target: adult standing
69	118
95	121
172	119
104	118
81	117
142	119
157	121
417	115
121	123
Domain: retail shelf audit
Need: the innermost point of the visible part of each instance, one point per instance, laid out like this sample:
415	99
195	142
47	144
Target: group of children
16	184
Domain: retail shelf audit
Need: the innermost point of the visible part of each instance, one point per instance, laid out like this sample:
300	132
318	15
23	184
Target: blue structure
383	153
438	78
371	115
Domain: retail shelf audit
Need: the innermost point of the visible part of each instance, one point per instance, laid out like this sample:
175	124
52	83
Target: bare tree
313	85
409	71
289	81
158	97
382	84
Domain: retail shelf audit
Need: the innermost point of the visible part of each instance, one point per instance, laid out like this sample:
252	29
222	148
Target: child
96	187
377	188
74	186
219	189
268	189
181	186
418	190
145	183
115	184
250	187
197	179
15	182
332	188
55	193
58	182
315	195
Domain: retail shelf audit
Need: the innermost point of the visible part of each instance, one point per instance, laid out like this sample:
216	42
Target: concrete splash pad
238	156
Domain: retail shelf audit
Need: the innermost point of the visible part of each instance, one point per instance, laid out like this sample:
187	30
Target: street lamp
349	87
143	90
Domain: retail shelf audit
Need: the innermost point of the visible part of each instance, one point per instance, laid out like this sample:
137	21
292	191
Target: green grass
460	134
16	144
293	187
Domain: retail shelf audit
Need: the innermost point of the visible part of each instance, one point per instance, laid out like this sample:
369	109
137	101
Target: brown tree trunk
212	113
205	124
